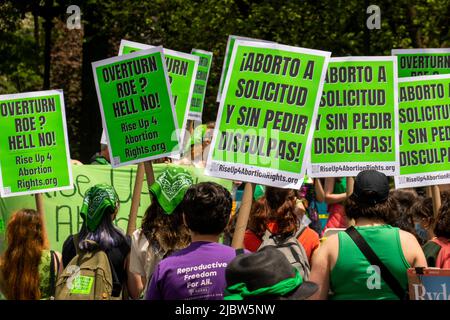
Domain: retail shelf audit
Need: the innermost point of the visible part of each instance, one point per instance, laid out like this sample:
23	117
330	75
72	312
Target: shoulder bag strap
76	243
374	260
53	272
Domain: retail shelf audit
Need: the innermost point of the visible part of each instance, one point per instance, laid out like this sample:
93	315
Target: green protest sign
265	122
201	81
226	61
182	70
63	207
357	126
424	119
136	107
34	151
422	62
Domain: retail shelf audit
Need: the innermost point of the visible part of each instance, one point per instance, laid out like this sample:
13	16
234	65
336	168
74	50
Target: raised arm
330	197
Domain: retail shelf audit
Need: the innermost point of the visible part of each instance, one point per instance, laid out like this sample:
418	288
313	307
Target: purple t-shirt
194	273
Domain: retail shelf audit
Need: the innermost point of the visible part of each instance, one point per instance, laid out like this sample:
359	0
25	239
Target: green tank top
352	275
340	186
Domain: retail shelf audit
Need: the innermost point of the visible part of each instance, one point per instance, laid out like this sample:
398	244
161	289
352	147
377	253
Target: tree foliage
338	26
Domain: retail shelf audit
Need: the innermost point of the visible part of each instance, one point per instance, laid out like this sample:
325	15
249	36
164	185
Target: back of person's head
163	223
403	217
100	206
207	208
423	209
265	275
442	226
370	198
405	198
166	230
26	238
282	210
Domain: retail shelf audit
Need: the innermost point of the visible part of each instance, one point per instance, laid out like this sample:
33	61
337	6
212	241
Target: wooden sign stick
436	196
244	214
149	173
136	199
40	208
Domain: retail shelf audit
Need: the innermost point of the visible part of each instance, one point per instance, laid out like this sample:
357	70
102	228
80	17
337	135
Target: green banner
62	208
424	118
34	151
265	122
226	61
422	62
182	70
357	126
201	81
136	106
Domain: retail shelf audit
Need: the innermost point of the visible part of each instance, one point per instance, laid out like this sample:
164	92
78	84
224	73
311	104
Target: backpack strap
76	241
374	260
300	231
117	285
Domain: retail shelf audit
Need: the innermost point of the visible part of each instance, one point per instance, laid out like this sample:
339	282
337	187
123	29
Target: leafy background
38	51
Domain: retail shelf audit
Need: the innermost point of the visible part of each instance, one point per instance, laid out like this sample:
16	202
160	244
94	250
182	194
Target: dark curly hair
386	211
277	205
405	199
442	226
423	209
166	231
207	208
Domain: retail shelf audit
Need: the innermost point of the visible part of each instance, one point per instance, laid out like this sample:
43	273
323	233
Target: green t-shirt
353	278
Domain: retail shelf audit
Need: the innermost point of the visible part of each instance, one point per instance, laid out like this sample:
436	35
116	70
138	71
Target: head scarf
96	200
239	291
170	187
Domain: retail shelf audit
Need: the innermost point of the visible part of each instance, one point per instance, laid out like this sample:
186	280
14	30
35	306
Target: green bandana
96	200
239	291
170	188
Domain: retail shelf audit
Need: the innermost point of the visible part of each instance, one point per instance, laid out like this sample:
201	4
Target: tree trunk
48	25
95	47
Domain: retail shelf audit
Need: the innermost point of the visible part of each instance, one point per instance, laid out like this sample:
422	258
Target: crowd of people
179	251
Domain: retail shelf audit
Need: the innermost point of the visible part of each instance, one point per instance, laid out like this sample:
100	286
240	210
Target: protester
404	219
198	271
99	209
162	231
340	266
265	275
28	269
101	157
437	250
334	193
277	212
423	214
